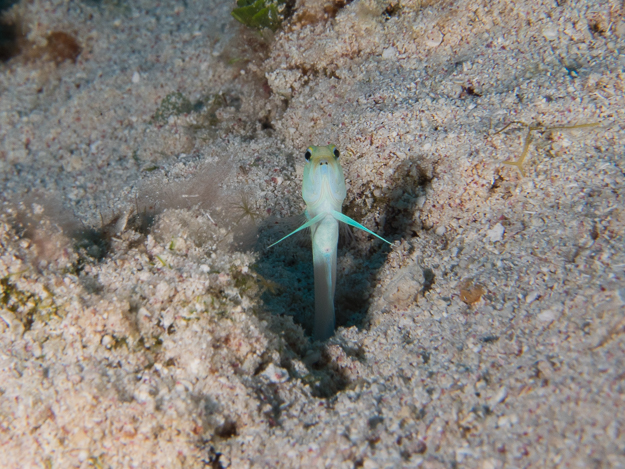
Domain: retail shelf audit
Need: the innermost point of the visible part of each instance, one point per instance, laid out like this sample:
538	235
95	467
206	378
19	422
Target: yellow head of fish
323	185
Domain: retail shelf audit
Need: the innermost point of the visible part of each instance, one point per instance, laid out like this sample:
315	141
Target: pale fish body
323	190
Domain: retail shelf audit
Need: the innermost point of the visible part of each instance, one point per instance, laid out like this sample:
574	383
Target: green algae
260	14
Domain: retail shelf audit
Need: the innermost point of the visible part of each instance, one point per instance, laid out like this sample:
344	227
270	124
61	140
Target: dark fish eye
337	153
307	155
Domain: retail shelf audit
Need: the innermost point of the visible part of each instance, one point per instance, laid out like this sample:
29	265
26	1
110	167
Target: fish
323	191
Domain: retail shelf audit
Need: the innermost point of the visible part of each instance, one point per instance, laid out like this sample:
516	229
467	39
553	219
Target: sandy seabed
150	151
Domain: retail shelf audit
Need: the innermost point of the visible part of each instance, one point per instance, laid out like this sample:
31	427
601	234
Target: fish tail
325	240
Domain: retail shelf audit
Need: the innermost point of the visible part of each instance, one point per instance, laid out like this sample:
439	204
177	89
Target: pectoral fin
308	224
345	219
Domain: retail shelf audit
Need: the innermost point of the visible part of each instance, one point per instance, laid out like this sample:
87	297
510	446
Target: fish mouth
326	181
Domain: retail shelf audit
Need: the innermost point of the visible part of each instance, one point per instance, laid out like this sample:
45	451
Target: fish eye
307	155
337	153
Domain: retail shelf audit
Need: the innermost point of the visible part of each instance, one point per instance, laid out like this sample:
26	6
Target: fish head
323	183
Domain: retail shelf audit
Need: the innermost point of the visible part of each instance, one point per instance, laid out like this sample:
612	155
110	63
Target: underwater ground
151	151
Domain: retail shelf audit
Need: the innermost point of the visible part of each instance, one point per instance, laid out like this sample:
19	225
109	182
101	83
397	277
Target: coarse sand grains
150	151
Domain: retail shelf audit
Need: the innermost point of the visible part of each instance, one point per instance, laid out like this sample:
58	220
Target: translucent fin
308	224
345	219
346	235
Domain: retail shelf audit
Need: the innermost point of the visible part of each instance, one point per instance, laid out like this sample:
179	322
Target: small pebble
434	38
107	341
389	53
548	315
500	396
550	32
531	297
495	233
275	374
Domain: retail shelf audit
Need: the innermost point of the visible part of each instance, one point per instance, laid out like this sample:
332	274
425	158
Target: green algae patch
26	306
259	14
173	104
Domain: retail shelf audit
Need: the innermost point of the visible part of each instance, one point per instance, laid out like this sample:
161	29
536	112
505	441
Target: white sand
490	336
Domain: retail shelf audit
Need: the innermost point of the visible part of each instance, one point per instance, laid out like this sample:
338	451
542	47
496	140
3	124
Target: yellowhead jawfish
323	190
